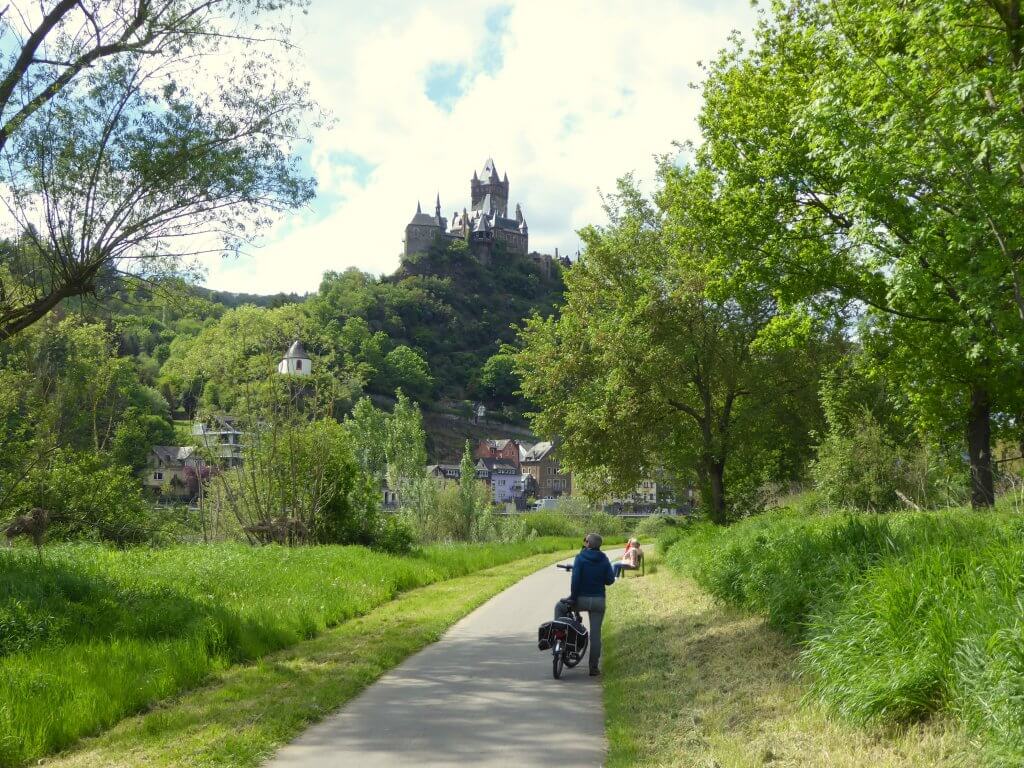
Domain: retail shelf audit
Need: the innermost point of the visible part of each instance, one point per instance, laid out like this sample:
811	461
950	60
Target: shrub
551	523
865	469
395	534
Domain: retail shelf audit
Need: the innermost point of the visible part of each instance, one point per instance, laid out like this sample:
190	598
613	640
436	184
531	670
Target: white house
504	477
295	361
220	435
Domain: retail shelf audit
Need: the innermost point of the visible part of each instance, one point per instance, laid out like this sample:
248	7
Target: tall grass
89	634
555	522
899	616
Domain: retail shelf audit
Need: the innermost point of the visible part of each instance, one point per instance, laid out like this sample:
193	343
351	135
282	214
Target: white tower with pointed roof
295	361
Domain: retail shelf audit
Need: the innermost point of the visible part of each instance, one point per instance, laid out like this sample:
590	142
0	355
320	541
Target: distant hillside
453	310
231	300
434	328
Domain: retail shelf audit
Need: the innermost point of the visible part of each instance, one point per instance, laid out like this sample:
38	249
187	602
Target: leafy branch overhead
110	165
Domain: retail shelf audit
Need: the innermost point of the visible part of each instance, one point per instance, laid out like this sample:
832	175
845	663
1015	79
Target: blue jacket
591	571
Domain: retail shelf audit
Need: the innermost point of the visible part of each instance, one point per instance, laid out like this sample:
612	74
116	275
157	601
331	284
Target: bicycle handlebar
563	566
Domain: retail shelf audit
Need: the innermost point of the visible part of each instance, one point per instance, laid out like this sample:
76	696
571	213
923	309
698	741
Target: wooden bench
640	569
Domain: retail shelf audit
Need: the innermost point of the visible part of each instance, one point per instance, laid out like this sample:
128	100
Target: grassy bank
899	618
89	635
691	682
249	710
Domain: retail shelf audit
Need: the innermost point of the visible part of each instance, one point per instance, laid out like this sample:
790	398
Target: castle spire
490	170
519	213
505	180
437	207
418	209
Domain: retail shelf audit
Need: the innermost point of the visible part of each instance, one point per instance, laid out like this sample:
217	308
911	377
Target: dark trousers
594	606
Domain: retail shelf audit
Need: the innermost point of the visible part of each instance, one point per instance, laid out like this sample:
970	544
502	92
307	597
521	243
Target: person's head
592	541
634	543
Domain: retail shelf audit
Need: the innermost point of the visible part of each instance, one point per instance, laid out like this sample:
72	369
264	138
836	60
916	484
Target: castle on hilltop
484	225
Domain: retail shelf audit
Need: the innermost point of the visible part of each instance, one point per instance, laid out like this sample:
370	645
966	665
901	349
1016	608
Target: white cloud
584	93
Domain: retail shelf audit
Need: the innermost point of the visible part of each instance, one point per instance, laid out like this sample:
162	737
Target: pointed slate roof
296	350
422	218
490	170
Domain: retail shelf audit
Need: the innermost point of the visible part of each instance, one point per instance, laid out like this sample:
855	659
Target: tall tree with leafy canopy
646	367
112	162
468	491
405	445
879	144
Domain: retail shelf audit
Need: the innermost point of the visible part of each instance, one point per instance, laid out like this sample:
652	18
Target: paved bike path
483	695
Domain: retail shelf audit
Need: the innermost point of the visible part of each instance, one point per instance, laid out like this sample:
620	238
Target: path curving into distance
483	695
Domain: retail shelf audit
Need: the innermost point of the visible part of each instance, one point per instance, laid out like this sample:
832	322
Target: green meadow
90	634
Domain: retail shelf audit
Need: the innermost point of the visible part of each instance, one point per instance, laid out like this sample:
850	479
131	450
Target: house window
158	475
298	365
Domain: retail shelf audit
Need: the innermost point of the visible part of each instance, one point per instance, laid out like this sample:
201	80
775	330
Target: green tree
302	477
498	378
405	445
135	436
647	367
368	427
468	493
87	498
408	371
876	146
111	166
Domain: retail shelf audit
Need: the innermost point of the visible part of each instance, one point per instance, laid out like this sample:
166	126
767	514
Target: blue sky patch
361	167
447	81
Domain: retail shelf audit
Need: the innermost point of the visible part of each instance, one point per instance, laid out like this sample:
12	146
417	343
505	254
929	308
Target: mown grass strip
689	682
251	710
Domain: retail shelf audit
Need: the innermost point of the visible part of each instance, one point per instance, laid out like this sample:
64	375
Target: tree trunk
713	489
979	448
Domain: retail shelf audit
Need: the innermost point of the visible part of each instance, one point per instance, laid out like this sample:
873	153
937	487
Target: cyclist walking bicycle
591	573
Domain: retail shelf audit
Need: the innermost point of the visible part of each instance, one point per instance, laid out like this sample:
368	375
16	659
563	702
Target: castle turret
422	230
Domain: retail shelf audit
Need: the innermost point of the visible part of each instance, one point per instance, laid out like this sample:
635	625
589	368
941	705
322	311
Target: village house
655	494
542	463
172	470
506	451
220	436
503	479
505	482
449	472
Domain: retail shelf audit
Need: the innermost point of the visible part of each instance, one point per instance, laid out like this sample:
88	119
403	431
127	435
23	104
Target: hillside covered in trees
434	328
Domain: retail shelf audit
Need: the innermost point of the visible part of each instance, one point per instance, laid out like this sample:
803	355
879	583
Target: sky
566	97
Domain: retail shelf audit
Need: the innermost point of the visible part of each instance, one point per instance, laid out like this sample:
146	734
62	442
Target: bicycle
567	638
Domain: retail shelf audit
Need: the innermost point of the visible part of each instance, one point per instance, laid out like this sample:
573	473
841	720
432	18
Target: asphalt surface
481	696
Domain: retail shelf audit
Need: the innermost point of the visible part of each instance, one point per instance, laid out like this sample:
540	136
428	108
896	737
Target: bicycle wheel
556	665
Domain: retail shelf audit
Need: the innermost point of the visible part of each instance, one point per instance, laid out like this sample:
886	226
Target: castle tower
482	238
423	229
491	185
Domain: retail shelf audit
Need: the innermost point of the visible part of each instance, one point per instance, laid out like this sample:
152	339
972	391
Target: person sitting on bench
630	558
